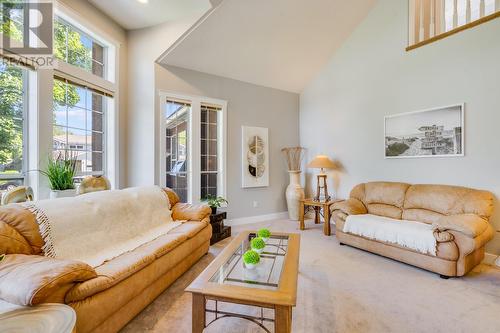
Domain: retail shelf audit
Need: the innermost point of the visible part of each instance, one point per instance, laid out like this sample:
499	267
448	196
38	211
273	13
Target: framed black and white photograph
435	132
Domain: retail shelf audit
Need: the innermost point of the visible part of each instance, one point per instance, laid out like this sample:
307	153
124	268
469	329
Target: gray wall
249	105
144	47
342	110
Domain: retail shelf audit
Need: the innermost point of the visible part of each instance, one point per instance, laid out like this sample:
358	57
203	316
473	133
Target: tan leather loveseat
459	217
107	297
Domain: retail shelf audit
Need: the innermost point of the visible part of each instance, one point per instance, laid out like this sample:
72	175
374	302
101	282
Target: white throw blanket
100	226
414	235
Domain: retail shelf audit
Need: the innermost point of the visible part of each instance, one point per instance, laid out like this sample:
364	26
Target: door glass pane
209	149
176	117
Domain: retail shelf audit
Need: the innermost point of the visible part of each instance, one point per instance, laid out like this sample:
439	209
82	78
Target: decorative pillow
30	279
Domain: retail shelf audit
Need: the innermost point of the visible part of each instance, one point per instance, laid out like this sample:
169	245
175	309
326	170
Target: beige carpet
343	289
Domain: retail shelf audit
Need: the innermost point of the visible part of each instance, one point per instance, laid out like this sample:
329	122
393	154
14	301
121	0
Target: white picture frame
435	132
254	157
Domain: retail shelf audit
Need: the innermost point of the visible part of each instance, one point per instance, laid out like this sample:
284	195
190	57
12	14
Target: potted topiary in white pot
61	172
258	244
251	259
264	234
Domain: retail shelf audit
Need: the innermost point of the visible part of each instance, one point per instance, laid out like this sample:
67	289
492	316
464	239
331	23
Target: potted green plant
61	172
258	244
215	202
264	234
251	259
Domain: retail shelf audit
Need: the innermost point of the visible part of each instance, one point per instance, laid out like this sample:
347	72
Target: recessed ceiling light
143	1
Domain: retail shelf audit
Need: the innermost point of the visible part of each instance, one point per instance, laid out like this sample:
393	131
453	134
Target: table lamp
322	162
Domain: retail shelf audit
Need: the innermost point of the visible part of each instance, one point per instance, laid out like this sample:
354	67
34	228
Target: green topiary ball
264	233
251	257
258	243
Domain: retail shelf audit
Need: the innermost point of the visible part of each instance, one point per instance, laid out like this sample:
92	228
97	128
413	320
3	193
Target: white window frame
194	144
26	107
107	85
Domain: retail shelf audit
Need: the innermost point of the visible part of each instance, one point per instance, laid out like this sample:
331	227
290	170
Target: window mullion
194	179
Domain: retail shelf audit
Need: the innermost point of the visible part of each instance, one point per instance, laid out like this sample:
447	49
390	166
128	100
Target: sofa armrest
350	207
31	279
184	211
468	224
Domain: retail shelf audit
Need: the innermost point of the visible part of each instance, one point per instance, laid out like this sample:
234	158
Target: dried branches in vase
294	191
293	157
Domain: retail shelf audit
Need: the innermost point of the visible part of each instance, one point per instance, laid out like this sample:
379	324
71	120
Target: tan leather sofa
109	296
459	215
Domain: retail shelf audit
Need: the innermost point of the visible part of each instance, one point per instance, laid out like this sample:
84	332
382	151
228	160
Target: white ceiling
132	14
281	44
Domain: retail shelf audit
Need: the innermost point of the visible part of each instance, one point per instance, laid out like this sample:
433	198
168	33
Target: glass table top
266	275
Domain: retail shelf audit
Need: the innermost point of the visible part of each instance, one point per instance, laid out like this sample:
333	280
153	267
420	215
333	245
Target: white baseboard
258	218
491	259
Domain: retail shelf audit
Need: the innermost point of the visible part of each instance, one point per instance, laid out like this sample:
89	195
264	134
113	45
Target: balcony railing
431	20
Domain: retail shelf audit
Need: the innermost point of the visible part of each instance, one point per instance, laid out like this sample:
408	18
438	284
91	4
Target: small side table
219	230
317	206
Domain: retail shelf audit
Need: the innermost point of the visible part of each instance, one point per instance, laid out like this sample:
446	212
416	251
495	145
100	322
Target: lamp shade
322	162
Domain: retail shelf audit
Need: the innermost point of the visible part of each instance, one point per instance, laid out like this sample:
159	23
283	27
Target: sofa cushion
118	269
12	242
110	273
385	210
449	200
32	279
414	235
421	215
190	228
385	193
102	308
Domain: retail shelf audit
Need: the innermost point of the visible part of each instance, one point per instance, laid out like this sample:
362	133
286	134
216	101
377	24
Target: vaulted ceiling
137	14
281	44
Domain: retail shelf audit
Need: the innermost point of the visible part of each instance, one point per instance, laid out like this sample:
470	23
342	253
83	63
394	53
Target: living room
249	166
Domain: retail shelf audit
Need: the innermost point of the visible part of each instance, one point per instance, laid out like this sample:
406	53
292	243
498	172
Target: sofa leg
444	277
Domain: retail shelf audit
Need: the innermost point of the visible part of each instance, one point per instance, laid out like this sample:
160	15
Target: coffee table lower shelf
282	314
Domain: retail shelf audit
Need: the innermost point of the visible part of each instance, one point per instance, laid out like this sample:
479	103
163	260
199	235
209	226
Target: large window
79	126
81	114
193	146
77	48
13	105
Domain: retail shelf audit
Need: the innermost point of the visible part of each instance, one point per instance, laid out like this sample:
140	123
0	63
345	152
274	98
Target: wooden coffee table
271	285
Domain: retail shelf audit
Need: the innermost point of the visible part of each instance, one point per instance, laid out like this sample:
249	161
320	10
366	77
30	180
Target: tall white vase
294	193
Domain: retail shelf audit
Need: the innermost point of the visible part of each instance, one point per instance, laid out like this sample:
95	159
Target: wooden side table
317	206
219	230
